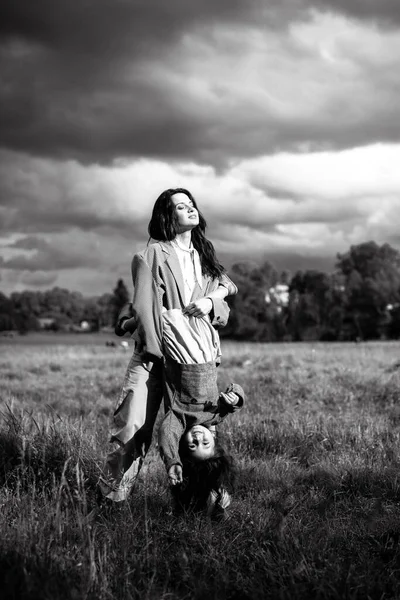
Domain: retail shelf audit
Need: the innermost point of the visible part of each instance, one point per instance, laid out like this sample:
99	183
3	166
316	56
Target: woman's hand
198	308
175	474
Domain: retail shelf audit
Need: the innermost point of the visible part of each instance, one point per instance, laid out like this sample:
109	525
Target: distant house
279	294
391	307
46	322
83	327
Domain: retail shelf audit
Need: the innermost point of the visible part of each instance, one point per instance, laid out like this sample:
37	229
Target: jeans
132	427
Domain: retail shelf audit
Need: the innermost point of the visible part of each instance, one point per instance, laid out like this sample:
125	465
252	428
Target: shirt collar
182	247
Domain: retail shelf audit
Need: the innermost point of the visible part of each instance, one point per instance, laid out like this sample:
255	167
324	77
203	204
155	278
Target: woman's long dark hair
201	477
163	227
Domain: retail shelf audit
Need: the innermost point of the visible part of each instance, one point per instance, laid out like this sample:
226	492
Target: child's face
200	442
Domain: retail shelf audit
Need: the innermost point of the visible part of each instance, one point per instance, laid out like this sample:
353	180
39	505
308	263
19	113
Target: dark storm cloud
59	219
48	256
382	12
292	261
92	80
103	28
100	31
46	196
38	279
47	217
30	243
282	261
65	91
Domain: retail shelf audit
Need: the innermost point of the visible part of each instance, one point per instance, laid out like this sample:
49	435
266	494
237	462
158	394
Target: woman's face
187	215
200	442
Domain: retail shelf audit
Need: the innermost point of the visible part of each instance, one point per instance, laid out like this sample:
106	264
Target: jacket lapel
172	261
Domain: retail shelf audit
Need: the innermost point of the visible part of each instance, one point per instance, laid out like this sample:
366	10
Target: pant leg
132	427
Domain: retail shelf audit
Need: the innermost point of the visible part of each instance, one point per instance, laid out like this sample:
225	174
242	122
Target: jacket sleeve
220	313
225	409
226	282
169	436
146	307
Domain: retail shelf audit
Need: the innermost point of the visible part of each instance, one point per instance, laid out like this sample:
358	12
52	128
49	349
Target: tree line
59	309
360	300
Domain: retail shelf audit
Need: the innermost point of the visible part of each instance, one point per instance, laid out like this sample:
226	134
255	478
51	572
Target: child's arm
169	435
229	398
232	399
126	322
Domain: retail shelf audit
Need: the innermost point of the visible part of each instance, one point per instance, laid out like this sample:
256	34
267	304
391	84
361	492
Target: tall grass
316	510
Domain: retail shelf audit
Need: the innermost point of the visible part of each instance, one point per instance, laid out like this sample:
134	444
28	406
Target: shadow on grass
32	578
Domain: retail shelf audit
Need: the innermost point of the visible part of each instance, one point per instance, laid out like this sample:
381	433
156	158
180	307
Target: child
194	461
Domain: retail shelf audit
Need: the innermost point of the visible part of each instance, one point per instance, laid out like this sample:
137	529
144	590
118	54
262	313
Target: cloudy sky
281	116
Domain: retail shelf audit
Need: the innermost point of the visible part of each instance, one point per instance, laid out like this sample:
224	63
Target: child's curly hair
201	478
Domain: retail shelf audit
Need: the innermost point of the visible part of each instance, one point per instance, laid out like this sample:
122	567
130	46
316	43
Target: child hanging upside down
199	471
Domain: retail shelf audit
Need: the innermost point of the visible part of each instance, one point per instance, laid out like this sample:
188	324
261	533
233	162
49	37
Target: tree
307	292
251	317
394	321
316	305
6	313
119	298
105	313
372	280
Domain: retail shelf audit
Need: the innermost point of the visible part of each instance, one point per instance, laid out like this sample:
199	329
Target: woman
179	271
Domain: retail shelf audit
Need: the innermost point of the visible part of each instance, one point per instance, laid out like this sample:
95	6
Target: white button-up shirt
189	261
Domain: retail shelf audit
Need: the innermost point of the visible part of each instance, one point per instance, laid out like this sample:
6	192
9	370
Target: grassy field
316	513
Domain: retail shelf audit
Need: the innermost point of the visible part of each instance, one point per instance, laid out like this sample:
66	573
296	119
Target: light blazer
158	282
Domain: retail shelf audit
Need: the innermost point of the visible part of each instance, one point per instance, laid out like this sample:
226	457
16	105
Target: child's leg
132	427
